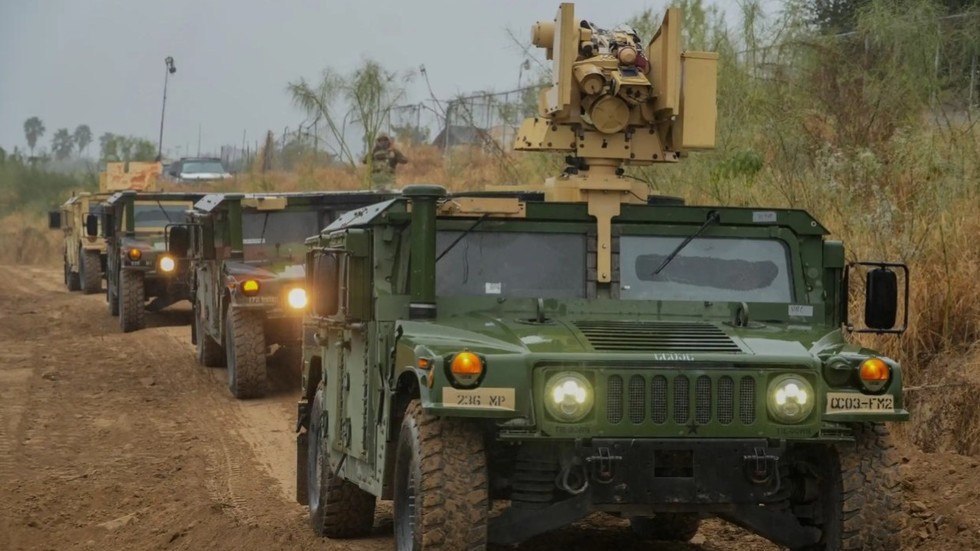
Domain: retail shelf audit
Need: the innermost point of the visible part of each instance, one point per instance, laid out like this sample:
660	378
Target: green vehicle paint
139	221
662	371
236	238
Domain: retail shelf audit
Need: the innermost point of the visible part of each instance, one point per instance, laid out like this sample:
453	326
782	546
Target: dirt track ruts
121	441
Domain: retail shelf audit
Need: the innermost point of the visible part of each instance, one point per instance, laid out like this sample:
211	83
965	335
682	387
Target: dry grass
25	239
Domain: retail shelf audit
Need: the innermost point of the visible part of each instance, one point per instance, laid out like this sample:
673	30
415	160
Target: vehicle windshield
278	234
158	215
707	269
202	167
511	264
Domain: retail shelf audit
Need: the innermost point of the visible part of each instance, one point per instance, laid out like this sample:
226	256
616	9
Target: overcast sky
101	62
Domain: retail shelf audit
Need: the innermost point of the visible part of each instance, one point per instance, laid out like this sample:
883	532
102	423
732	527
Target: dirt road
121	441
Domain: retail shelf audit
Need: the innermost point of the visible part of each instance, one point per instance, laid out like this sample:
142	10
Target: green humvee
472	355
84	251
138	267
248	279
583	347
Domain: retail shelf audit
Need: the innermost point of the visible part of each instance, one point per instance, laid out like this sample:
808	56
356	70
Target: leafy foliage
82	137
33	129
115	148
358	104
62	144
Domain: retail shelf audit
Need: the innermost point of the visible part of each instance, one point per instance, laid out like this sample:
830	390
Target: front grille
746	400
664	400
638	404
614	399
726	400
702	391
682	399
656	336
658	399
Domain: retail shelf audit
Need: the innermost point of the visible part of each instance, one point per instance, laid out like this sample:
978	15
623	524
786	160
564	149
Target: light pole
169	61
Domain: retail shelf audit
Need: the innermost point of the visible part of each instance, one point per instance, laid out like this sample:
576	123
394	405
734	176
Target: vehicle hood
199	176
146	242
637	339
282	271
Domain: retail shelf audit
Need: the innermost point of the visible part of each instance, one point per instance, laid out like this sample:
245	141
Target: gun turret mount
614	103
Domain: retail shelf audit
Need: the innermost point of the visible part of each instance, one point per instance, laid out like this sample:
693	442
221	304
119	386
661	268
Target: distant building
455	135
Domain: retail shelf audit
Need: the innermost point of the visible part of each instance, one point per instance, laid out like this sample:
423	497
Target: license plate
839	402
483	398
261	300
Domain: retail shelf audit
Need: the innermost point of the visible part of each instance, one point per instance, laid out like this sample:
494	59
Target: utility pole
169	62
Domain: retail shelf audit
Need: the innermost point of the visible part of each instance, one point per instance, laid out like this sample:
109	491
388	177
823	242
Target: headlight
297	298
791	399
167	264
568	397
134	254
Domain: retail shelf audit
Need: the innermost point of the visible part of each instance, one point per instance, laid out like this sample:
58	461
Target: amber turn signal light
874	369
250	287
134	254
874	374
466	363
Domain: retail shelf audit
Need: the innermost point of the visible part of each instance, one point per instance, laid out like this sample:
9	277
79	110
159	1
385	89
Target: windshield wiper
460	238
265	222
164	211
713	218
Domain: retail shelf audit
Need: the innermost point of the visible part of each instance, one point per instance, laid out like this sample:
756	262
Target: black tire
860	491
338	507
72	281
209	352
447	510
91	272
111	297
666	526
132	301
245	353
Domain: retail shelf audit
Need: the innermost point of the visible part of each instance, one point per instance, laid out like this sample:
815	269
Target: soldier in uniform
384	160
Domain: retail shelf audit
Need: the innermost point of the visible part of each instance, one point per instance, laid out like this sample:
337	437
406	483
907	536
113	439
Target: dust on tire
132	301
245	352
446	460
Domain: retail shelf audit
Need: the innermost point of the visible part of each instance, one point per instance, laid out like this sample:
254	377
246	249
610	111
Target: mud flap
302	464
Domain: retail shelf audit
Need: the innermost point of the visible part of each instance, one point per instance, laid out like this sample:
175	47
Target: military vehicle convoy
138	266
85	251
582	347
248	281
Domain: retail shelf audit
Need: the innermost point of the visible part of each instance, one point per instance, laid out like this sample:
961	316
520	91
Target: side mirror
326	285
881	297
54	220
179	241
91	225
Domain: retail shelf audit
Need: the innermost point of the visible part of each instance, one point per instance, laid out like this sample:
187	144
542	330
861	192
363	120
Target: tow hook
602	464
762	468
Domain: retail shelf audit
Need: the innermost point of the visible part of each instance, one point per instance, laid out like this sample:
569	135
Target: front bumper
679	474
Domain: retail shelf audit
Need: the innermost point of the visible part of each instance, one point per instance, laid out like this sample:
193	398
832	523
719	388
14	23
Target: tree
142	150
117	148
62	144
108	147
82	137
837	16
33	129
365	97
